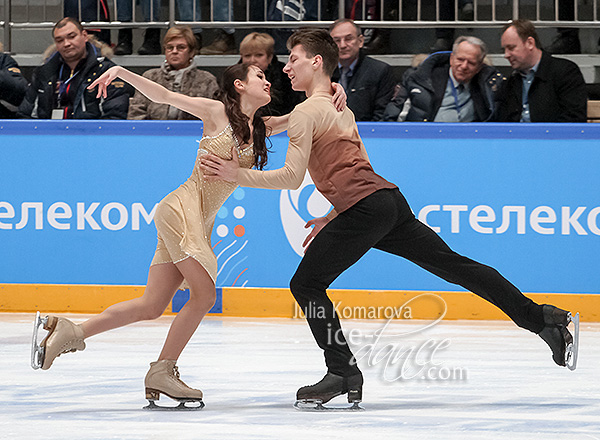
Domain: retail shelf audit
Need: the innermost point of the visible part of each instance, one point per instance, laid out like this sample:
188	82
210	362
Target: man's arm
385	91
29	103
12	83
290	176
572	95
116	103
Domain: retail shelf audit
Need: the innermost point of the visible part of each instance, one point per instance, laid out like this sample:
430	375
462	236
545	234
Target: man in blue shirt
542	88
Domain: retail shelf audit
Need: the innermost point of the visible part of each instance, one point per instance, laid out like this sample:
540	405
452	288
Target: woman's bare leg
202	298
163	281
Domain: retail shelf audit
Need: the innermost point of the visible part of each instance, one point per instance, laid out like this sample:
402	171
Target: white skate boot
163	377
63	337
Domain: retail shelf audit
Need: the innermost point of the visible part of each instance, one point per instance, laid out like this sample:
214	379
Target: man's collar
351	67
456	83
534	69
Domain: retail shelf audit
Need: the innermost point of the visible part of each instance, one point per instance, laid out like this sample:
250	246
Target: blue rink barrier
77	199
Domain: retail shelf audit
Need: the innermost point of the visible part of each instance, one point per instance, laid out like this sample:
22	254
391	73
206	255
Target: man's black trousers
383	220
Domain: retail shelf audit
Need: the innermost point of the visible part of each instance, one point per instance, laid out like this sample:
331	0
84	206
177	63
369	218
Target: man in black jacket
12	86
450	87
542	88
369	83
58	89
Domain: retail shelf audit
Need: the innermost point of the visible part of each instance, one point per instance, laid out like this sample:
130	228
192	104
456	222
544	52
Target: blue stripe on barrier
182	297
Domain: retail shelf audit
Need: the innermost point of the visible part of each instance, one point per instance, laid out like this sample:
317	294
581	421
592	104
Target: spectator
567	39
150	12
178	73
456	87
90	10
289	10
369	83
58	89
542	88
224	42
259	49
445	36
12	85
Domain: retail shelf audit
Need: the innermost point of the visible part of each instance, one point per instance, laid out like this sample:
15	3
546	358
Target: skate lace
66	348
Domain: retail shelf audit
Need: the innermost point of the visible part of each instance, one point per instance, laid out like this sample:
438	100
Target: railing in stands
247	14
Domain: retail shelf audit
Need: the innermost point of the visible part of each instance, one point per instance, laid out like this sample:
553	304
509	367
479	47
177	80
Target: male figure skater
369	212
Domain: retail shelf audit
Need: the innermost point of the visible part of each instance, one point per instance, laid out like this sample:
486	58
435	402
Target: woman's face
256	87
258	58
178	53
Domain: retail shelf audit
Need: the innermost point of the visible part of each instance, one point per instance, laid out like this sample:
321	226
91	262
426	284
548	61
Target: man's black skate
563	345
312	397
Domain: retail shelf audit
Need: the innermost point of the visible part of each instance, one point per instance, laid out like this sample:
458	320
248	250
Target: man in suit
369	83
542	88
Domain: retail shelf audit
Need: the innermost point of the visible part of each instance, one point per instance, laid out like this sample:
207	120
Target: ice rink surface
451	380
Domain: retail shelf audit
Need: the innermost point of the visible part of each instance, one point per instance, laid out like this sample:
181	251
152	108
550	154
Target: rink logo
299	206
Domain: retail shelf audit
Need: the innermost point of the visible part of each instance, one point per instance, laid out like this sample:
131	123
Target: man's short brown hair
317	42
525	29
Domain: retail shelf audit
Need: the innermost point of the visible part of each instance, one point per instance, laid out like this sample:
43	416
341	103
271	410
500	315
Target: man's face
348	41
519	53
299	68
178	53
465	63
70	42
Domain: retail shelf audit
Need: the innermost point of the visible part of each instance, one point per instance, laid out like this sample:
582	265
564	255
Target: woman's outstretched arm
209	110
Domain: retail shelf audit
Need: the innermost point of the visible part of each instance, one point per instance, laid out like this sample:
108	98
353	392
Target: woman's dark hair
238	120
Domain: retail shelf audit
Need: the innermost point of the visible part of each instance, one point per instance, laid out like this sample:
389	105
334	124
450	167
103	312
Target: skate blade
37	351
573	348
198	405
317	406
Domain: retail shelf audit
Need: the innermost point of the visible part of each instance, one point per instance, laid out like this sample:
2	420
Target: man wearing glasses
369	83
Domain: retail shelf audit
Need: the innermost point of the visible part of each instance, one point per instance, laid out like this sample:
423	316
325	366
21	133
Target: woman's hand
104	80
216	168
318	223
339	97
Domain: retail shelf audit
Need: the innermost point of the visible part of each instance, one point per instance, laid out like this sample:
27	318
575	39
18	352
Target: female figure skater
184	220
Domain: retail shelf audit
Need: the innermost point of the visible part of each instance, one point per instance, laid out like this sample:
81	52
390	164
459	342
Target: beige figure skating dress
184	219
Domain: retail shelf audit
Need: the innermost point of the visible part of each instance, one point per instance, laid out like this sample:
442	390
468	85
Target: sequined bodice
214	194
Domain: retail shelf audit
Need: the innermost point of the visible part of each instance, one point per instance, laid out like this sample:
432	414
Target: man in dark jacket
58	89
12	86
369	83
542	88
450	87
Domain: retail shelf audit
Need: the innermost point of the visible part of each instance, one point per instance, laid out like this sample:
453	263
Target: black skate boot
557	336
313	397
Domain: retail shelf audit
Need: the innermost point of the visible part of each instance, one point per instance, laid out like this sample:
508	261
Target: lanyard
62	85
455	95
